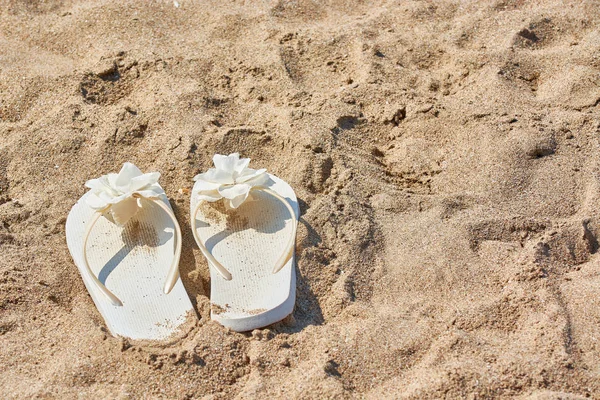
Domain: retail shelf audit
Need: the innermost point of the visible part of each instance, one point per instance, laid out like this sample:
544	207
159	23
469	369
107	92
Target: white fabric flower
231	179
117	192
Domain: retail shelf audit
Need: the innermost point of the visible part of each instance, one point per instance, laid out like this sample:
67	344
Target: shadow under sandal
244	222
126	242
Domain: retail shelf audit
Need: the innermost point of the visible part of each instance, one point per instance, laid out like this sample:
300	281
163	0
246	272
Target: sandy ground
445	155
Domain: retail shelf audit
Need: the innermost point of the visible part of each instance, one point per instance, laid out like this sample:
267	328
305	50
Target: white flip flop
126	242
248	239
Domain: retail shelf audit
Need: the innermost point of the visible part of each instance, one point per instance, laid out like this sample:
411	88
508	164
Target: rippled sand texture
445	155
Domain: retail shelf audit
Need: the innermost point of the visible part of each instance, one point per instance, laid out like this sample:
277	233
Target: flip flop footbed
248	241
132	262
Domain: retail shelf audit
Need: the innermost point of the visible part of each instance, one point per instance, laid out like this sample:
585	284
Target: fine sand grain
446	159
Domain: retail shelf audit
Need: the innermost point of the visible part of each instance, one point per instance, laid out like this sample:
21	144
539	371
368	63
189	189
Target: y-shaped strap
173	273
283	259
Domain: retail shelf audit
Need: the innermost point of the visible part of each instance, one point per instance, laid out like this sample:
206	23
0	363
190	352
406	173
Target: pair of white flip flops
126	242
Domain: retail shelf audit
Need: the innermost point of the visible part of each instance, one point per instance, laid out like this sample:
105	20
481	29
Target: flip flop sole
247	242
132	262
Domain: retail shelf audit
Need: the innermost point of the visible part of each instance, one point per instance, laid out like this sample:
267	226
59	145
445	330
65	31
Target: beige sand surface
446	155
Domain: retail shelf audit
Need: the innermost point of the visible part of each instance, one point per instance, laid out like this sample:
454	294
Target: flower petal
249	173
110	181
202	185
237	201
233	191
216	176
114	200
100	185
240	165
126	174
95	184
209	195
95	202
226	163
150	192
106	197
124	210
258	178
144	180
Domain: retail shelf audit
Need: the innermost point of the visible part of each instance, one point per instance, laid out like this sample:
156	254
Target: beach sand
445	155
